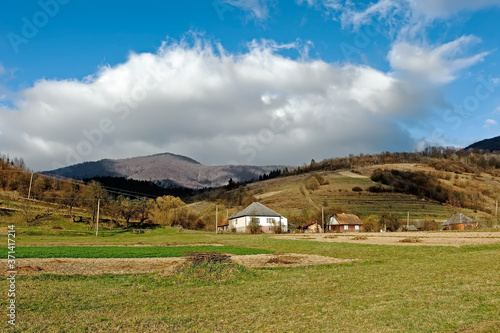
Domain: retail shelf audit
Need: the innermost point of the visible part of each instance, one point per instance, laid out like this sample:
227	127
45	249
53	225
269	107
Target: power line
78	182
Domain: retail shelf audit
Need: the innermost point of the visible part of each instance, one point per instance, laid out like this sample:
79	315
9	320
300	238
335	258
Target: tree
144	207
92	193
371	224
391	222
70	194
169	210
128	208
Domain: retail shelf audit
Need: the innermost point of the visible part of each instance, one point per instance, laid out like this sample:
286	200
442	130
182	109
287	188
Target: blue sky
245	81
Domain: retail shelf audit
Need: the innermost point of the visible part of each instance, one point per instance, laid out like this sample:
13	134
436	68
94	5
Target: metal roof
344	219
458	219
255	209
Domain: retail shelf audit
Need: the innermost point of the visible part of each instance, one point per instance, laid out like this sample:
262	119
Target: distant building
312	227
258	213
344	223
410	227
459	222
223	225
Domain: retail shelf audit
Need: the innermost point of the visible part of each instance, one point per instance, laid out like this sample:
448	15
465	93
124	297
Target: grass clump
359	238
206	268
410	240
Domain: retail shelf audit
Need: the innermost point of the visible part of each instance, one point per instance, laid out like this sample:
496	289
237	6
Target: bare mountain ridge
166	170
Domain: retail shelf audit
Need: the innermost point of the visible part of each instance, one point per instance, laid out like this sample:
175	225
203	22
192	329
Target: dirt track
459	238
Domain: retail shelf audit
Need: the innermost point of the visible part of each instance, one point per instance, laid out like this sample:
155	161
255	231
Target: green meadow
388	289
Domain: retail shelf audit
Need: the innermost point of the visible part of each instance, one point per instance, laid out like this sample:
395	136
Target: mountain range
166	170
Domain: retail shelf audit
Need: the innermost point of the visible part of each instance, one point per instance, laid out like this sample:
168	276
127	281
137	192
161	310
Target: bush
312	183
357	189
254	226
376	189
430	225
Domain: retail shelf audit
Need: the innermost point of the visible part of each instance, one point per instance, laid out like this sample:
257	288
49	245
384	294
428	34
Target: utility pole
323	218
496	214
97	222
31	182
216	217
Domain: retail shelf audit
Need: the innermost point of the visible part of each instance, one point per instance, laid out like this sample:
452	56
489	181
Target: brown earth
459	238
166	266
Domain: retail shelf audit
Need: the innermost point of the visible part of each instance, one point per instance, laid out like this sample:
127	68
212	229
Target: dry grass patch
361	237
279	258
411	240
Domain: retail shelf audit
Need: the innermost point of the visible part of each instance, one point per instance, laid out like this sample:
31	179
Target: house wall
461	226
341	228
241	224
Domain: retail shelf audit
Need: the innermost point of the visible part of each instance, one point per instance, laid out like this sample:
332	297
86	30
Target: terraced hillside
349	191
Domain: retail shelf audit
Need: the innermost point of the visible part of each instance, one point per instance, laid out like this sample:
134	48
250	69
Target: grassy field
390	289
126	251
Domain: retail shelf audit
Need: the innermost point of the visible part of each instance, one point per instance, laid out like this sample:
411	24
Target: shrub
357	189
312	183
254	226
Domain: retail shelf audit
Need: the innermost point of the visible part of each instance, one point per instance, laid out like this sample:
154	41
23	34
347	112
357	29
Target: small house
410	227
459	222
344	223
312	227
223	225
257	213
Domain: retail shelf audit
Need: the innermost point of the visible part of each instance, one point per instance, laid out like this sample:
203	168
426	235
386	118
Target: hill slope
167	170
491	145
344	191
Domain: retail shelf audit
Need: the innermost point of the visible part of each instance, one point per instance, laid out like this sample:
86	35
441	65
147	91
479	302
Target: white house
267	219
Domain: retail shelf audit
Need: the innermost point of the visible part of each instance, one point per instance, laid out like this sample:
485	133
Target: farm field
367	288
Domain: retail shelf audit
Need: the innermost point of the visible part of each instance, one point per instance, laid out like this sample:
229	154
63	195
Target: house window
346	227
270	220
356	227
255	220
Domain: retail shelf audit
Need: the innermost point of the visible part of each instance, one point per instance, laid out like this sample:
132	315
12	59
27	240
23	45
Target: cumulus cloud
256	107
437	64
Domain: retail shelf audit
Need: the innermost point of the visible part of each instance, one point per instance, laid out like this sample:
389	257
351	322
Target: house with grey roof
266	218
459	222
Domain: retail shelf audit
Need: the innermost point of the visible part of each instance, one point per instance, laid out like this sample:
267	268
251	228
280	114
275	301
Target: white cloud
437	64
497	110
490	122
257	107
258	9
433	9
